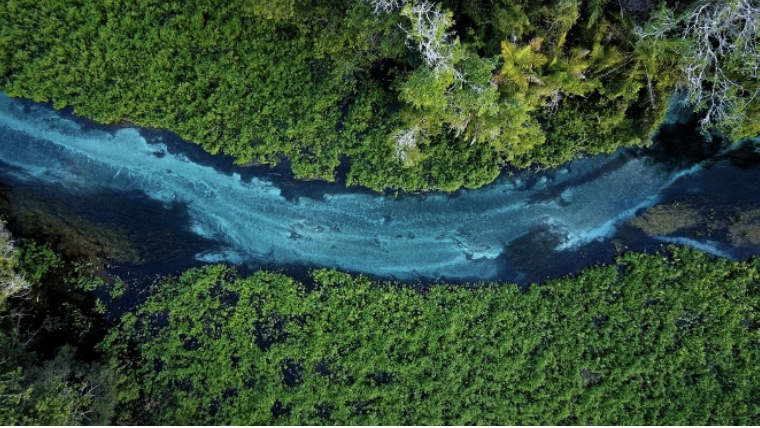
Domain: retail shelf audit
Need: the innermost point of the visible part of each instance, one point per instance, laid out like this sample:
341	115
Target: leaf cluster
520	83
656	339
39	389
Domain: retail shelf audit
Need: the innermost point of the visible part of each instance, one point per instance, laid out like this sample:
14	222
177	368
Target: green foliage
257	81
33	391
654	340
519	63
7	250
511	19
64	391
35	261
279	11
595	9
11	283
60	391
12	390
117	288
83	277
310	81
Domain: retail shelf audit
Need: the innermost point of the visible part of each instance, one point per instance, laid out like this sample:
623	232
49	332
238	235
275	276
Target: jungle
406	96
410	95
669	338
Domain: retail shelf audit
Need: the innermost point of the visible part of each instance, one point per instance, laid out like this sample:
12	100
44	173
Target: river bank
175	205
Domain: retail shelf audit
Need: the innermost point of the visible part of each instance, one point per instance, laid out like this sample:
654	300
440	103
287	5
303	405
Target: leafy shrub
656	339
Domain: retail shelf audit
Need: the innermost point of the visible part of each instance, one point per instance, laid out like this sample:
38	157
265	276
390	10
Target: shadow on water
555	192
682	144
744	156
148	230
280	175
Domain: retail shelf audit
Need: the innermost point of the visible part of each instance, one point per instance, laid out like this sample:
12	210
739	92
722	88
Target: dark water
178	206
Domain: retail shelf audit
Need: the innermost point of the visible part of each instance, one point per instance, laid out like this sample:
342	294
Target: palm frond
594	8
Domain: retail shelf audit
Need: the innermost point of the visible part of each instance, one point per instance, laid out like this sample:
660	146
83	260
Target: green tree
520	63
654	339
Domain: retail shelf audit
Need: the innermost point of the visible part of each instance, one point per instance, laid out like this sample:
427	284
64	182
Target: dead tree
722	39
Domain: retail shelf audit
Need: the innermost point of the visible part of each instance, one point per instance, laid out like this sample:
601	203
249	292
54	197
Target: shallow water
186	205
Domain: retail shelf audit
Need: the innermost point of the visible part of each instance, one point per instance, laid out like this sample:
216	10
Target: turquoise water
246	216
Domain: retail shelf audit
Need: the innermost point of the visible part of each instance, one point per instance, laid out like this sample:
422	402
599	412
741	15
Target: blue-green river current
197	208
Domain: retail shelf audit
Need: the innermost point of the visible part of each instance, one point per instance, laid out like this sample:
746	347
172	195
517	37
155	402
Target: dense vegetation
656	339
418	95
46	311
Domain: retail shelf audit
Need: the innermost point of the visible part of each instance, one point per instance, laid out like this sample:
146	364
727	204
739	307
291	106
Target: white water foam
709	247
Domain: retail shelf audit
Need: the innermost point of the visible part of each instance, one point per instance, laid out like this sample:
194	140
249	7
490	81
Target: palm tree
576	63
520	63
566	75
594	8
657	61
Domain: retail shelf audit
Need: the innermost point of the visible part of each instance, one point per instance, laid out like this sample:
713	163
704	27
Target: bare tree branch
386	6
11	283
430	36
722	32
406	140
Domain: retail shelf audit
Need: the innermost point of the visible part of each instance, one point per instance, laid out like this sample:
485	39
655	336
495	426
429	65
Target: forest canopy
417	94
668	338
656	339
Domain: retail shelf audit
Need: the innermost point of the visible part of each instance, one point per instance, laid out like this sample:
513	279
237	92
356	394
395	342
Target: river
178	205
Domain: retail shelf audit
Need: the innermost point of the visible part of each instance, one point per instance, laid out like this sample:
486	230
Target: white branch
386	6
406	140
429	35
721	30
11	284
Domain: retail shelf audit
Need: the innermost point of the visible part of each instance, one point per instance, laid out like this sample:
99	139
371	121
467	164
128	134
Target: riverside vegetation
418	95
667	338
46	311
